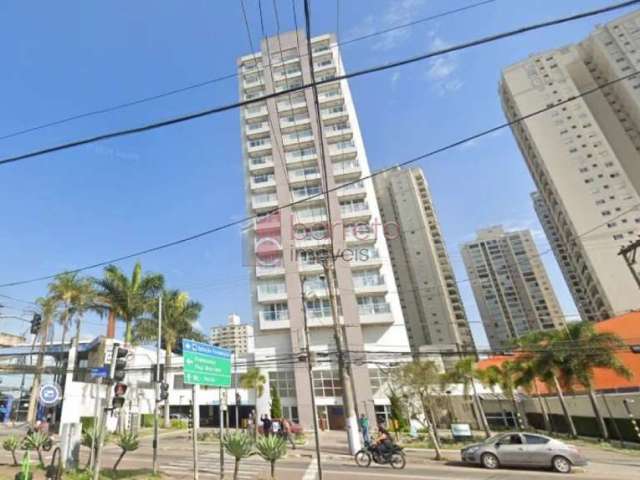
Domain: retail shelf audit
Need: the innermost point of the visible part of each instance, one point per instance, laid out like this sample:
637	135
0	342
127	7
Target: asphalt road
176	461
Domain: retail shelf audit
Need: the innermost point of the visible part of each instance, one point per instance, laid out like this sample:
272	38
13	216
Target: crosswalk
209	467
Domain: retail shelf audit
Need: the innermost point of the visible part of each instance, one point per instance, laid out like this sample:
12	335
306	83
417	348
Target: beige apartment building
584	158
510	285
427	288
233	336
281	151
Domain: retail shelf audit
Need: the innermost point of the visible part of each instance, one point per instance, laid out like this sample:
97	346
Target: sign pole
157	388
96	419
221	414
195	413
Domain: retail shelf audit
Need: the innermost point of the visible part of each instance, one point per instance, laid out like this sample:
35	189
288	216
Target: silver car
523	450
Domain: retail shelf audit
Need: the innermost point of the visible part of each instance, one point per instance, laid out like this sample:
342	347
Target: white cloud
442	70
395	78
396	13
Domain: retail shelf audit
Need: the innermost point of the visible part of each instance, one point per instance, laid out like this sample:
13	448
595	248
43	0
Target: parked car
178	416
523	450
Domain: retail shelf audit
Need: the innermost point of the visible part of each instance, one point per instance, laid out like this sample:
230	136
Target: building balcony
363	212
294	139
253	84
299	177
256	129
288	106
266	271
360	261
287	124
313	194
347	170
262	185
259	164
271	321
270	223
268	247
335	115
310	267
308	219
287	76
385	318
309	243
259	148
295	159
255	111
328	96
342	151
324	67
267	296
264	201
369	288
352	190
352	237
338	134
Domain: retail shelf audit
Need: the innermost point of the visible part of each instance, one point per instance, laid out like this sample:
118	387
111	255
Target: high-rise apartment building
427	288
510	285
233	336
584	158
281	150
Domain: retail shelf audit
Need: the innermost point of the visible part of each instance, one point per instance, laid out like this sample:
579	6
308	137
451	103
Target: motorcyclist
384	442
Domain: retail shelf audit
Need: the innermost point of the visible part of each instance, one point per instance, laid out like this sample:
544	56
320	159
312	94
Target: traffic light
119	391
36	321
120	359
164	391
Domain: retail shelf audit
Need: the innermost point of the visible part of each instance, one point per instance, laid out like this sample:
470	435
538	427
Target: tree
253	379
583	349
271	449
90	442
418	383
128	442
35	441
239	445
537	348
464	372
526	377
276	406
129	299
64	289
503	375
11	444
179	316
397	411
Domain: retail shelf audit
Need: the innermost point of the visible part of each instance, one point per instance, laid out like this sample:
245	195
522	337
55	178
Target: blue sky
103	200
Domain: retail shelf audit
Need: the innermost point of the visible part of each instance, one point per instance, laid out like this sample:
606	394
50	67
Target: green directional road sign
205	364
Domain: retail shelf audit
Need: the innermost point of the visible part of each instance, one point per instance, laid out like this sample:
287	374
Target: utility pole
157	389
103	421
221	415
195	415
629	255
316	429
345	379
35	386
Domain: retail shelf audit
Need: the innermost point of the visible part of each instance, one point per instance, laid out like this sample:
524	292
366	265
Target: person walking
286	432
266	425
363	422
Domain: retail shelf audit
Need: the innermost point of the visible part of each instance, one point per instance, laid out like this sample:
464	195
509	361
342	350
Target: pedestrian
363	422
287	433
266	425
251	423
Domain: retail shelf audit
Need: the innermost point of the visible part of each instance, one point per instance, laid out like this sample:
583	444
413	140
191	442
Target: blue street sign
50	394
99	372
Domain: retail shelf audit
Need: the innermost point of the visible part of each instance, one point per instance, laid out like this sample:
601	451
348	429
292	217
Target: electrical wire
224	77
354	74
423	156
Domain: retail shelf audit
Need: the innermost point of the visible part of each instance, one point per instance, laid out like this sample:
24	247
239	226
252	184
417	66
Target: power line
225	77
233	223
356	73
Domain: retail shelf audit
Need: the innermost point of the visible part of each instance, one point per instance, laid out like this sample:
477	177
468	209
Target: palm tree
464	372
547	362
525	376
128	442
583	349
64	289
179	315
253	379
128	298
504	376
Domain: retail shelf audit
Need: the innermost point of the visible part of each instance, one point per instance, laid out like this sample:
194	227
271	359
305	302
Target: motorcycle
394	457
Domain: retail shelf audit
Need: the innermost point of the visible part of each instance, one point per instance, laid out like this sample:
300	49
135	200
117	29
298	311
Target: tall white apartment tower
510	285
281	147
429	296
584	158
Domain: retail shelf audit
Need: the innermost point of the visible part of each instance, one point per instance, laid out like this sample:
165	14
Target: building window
326	383
284	383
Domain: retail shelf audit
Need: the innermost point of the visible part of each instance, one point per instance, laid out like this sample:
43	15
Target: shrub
239	445
128	442
11	444
271	449
179	424
87	423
